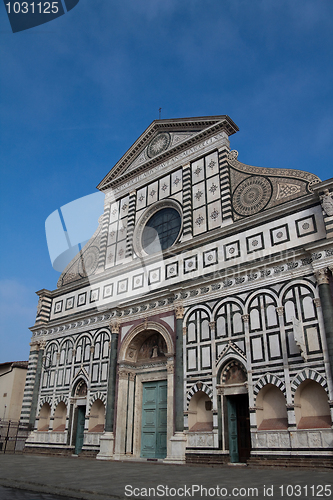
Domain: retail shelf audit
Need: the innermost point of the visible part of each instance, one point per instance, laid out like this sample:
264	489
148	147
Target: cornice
217	234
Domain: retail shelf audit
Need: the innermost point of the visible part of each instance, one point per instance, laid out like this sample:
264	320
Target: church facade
196	325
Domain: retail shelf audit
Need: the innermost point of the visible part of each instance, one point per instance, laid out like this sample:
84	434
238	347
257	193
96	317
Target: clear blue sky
77	92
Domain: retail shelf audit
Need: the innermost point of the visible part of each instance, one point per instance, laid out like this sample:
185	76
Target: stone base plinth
177	448
106	447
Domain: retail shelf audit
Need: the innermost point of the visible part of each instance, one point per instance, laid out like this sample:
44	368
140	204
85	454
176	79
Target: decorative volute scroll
327	202
258	188
85	262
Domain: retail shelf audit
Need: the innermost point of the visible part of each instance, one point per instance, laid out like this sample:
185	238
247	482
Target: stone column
327	310
177	444
253	420
179	374
107	440
35	392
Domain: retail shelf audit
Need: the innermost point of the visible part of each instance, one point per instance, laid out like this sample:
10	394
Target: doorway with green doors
239	428
234	419
79	435
154	419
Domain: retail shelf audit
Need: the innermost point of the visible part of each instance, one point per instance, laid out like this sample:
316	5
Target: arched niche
311	406
44	417
59	423
234	378
200	415
140	342
80	389
271	409
97	417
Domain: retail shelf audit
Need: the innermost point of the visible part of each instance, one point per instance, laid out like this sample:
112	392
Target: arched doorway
235	406
145	393
79	393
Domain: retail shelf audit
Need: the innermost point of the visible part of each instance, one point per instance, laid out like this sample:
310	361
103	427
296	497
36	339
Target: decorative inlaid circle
159	144
89	261
252	195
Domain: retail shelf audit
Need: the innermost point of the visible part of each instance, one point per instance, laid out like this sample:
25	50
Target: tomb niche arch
145	383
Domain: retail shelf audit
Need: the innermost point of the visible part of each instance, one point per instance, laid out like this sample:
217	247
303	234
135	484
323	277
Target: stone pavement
91	479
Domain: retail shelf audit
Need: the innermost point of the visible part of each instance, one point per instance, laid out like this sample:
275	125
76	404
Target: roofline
156	125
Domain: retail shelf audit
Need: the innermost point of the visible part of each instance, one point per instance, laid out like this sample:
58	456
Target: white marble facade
246	256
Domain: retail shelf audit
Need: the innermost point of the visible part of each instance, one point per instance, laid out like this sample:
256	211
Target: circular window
158	229
161	230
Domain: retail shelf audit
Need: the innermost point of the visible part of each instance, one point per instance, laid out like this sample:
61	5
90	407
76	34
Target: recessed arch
134	339
199	386
312	409
271	410
269	378
308	374
59	422
44	417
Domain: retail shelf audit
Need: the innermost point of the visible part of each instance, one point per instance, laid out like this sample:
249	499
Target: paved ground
15	494
91	479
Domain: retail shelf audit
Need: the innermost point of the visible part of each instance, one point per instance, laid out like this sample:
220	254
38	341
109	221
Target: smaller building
12	382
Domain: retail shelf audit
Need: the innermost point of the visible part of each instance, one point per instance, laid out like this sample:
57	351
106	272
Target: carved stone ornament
123	374
179	310
280	310
317	302
327	202
170	368
159	144
42	344
246	318
321	276
114	326
252	195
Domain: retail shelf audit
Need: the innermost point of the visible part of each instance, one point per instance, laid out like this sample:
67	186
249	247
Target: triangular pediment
231	349
162	139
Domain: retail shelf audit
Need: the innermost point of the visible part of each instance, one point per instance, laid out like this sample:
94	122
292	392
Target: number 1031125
314	491
32	8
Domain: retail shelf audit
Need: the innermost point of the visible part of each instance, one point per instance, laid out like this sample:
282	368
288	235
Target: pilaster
107	440
327	309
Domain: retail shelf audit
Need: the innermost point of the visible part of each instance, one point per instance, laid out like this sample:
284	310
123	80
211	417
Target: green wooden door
81	412
154	420
232	430
239	428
